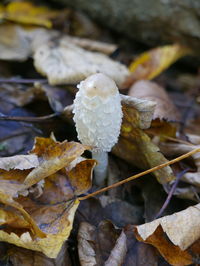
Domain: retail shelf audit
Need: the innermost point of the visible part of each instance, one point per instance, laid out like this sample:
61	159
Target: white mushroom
98	116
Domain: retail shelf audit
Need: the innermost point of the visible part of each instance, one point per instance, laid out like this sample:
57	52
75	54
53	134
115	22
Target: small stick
40	119
141	174
19	80
171	192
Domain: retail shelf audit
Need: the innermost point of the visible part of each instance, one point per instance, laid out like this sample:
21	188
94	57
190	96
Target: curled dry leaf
151	63
26	13
149	90
95	244
183	232
136	147
55	156
64	62
43	223
118	253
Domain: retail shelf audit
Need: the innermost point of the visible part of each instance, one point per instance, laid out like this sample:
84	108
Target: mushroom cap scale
97	112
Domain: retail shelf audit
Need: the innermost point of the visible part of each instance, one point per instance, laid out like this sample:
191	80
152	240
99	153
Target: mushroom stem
101	169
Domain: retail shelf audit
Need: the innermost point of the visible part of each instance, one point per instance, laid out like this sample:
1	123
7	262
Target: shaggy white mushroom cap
98	112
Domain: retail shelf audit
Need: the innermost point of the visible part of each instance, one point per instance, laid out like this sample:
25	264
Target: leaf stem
141	174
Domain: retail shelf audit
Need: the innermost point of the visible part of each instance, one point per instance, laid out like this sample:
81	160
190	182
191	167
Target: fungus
98	117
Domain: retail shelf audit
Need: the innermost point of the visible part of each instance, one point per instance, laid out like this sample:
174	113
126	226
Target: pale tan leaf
118	253
150	90
17	42
86	250
63	62
144	107
20	162
92	45
182	229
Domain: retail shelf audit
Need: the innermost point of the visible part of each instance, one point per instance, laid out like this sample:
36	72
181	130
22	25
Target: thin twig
158	167
20	80
40	119
171	192
178	140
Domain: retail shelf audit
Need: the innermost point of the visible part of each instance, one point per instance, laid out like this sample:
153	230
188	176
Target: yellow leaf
27	13
150	64
43	223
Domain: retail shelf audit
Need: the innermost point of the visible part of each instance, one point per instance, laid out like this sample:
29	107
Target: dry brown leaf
149	90
55	156
26	13
144	108
118	253
82	174
18	208
136	147
151	63
43	222
63	62
95	244
183	232
20	256
176	149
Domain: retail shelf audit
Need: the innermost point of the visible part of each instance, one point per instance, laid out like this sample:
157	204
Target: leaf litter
40	191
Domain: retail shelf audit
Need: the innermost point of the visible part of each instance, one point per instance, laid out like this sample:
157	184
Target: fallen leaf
136	147
64	62
92	45
17	94
182	230
43	222
149	90
118	253
95	244
82	174
17	42
30	223
27	13
20	162
20	256
55	156
151	63
176	149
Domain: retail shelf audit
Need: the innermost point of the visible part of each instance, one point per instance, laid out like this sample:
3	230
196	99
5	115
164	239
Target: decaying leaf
55	156
175	149
137	148
183	232
20	256
17	42
26	13
43	222
95	244
149	90
105	48
63	62
118	253
150	64
20	162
